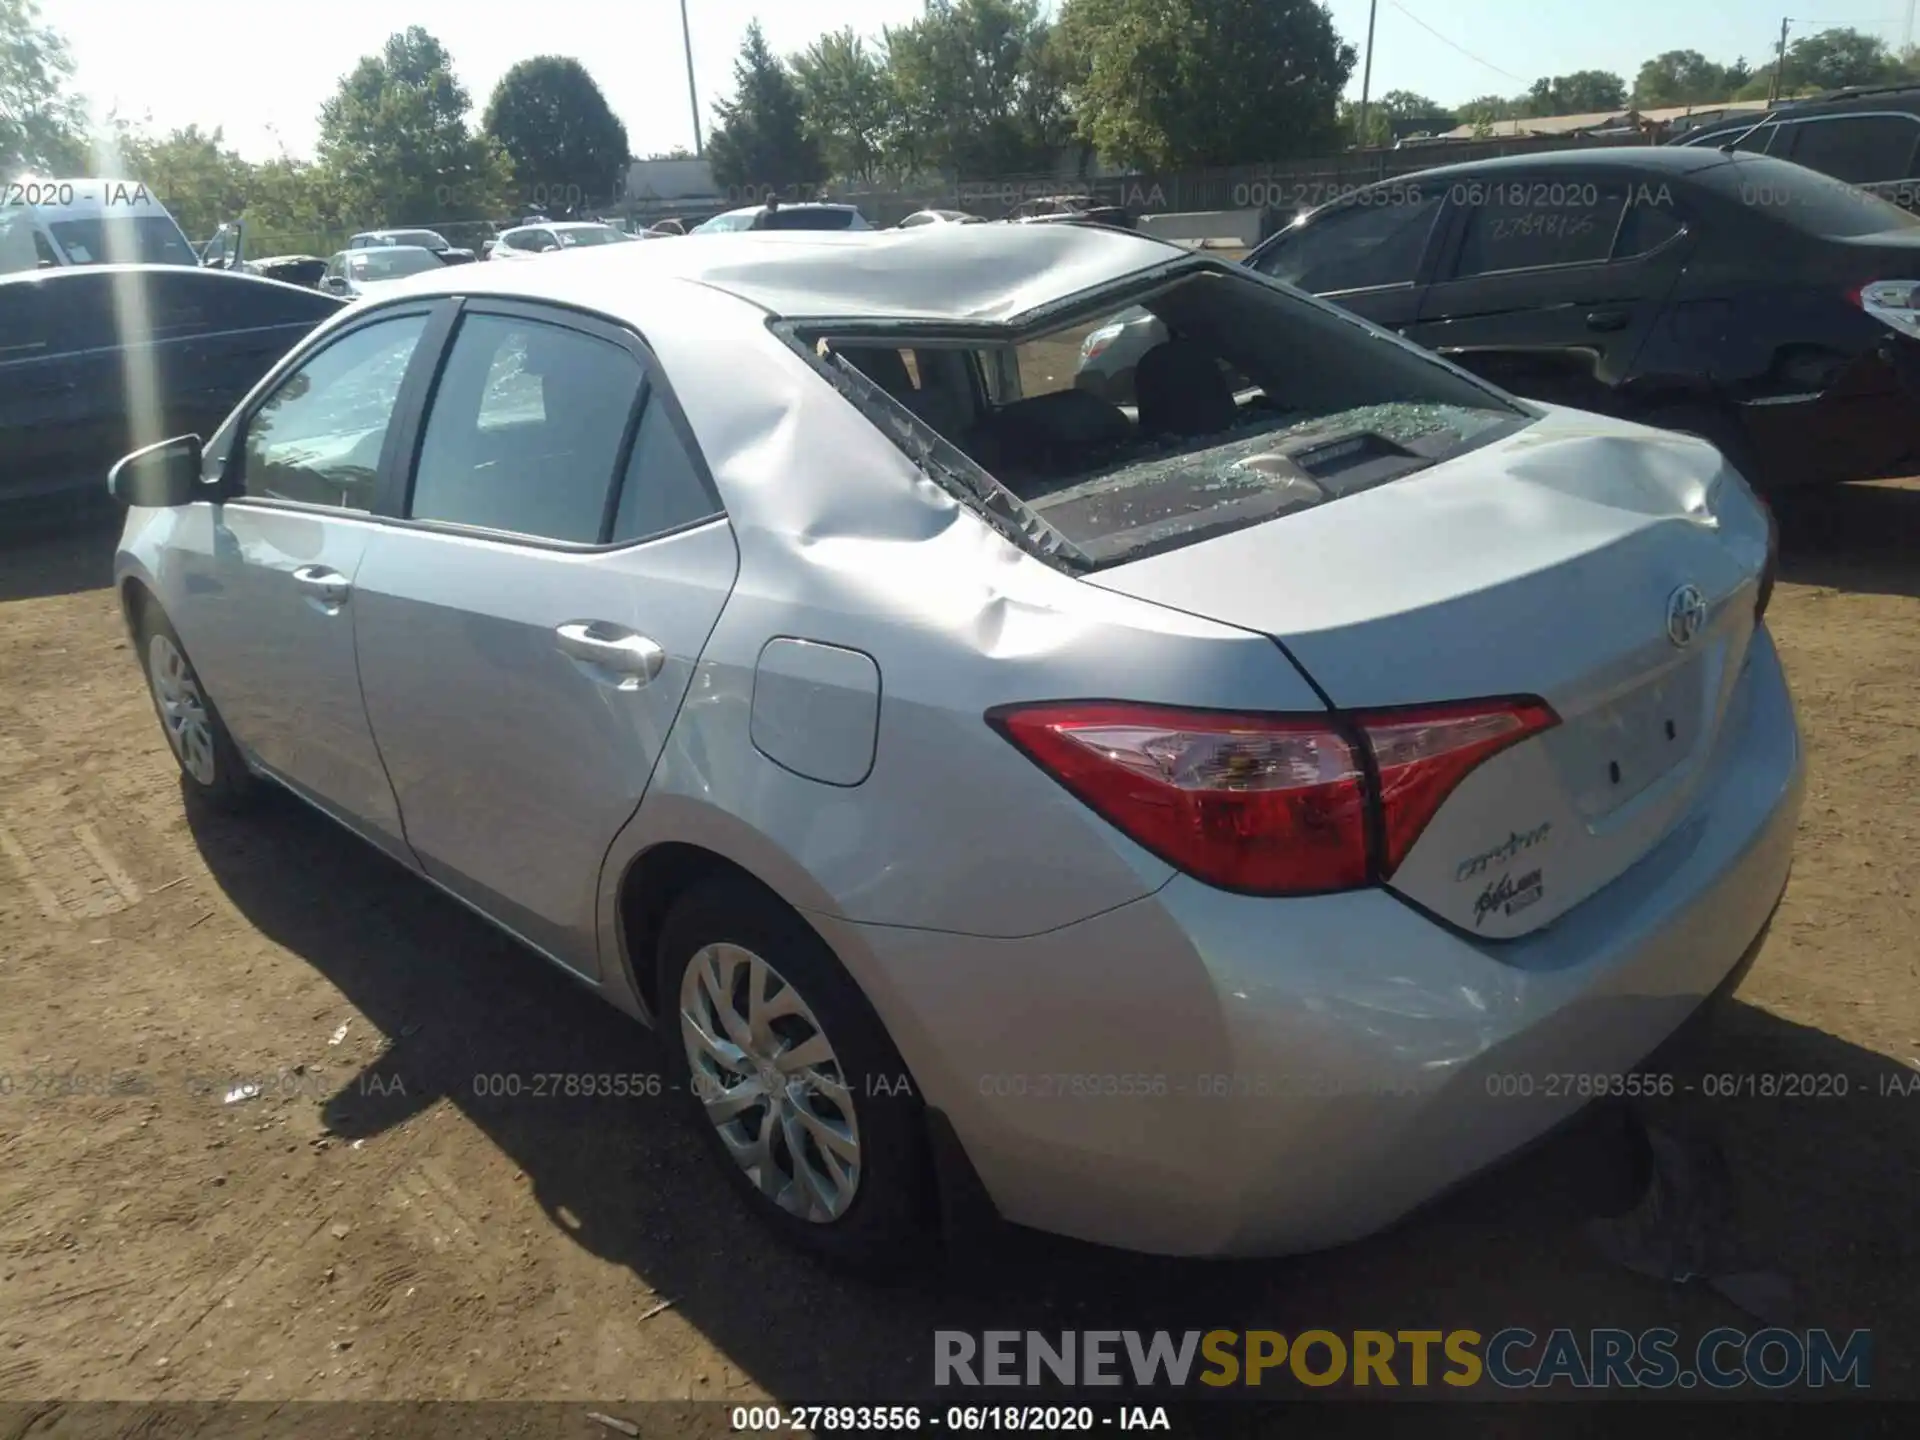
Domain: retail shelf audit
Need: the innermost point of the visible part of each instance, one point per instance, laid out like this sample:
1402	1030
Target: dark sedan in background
1744	299
99	360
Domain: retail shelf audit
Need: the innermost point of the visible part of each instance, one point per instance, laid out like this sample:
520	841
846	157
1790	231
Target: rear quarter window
1805	199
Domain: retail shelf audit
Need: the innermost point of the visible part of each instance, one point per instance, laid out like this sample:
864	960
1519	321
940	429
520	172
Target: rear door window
1358	247
1531	222
79	311
1803	199
525	430
1858	149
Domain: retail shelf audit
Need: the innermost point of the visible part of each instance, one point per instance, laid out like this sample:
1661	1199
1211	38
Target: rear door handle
611	647
329	587
1607	320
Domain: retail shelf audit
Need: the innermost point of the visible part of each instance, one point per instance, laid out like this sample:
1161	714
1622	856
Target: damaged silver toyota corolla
1209	826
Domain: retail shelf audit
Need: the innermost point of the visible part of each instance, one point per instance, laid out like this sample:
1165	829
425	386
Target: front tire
792	1079
210	763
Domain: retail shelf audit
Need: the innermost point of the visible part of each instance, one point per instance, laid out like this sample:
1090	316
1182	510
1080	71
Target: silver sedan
1209	826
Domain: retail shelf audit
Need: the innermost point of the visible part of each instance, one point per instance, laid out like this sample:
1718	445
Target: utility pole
1906	47
1779	61
1366	73
693	98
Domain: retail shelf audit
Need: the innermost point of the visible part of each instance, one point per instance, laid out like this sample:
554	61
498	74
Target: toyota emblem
1686	614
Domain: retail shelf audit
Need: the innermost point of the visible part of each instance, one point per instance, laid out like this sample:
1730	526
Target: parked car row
1722	293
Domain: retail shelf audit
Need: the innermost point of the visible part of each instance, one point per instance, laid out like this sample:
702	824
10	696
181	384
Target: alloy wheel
764	1070
183	709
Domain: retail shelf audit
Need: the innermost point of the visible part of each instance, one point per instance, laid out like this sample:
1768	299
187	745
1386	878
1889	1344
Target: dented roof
960	273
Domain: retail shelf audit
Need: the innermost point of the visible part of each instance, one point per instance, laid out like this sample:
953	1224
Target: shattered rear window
1213	402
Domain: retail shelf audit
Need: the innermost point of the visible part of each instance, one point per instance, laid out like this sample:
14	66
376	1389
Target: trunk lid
1548	563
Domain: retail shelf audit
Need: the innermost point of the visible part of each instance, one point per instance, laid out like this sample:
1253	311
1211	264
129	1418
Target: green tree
395	144
760	138
1832	59
1397	111
846	102
1584	92
292	208
42	122
1685	77
1174	83
1485	110
558	129
978	88
194	174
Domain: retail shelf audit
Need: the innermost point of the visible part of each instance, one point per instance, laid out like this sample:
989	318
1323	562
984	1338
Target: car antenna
1766	118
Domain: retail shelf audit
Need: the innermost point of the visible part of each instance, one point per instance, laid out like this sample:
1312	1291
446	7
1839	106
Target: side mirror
159	476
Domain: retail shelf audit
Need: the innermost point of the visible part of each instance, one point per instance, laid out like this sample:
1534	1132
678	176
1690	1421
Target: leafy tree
1684	77
1390	113
977	88
1584	92
42	123
199	179
761	138
846	101
1171	83
1485	110
556	126
394	141
1831	59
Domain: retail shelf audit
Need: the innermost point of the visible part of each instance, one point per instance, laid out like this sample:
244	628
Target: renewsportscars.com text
1513	1359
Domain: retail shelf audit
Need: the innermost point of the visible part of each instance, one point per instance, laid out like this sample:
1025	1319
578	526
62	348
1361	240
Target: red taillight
1421	756
1273	804
1267	804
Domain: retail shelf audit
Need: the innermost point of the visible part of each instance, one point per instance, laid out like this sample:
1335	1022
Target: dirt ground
368	1227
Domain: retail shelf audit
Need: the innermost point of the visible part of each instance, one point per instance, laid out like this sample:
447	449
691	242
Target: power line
1451	46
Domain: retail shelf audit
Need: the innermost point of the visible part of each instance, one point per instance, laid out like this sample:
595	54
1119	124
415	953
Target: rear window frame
1726	185
971	483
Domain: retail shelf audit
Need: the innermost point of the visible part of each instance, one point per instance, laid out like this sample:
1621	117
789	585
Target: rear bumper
1866	427
1200	1073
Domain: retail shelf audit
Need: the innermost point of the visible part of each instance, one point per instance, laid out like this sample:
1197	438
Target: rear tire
209	761
829	1147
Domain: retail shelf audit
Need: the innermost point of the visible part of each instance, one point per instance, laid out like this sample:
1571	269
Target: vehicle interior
1256	402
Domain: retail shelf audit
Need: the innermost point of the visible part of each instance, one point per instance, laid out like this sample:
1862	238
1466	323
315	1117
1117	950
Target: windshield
591	235
375	265
1244	403
1805	198
125	239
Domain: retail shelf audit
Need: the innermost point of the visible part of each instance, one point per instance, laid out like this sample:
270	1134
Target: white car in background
923	218
45	224
352	274
528	241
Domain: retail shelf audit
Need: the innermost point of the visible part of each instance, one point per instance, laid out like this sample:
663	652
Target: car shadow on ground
42	556
1863	538
1824	1186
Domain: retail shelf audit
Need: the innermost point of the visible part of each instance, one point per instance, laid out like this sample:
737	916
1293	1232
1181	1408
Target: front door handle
1608	320
329	587
594	642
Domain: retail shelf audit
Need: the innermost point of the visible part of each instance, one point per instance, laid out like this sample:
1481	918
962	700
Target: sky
166	67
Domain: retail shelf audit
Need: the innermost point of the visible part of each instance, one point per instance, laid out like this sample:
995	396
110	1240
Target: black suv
1868	137
1750	301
